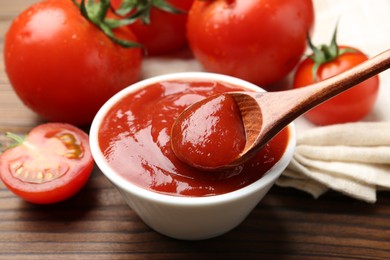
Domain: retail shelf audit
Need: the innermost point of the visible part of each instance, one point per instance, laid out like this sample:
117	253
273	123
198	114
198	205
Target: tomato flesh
52	164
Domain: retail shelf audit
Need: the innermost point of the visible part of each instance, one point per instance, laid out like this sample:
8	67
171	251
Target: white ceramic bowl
188	218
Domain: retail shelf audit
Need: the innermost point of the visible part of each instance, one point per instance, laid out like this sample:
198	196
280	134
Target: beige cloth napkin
352	158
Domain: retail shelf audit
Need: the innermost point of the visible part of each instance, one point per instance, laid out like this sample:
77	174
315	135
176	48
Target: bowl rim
268	178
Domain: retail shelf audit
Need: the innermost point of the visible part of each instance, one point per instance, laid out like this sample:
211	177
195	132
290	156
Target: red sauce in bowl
134	137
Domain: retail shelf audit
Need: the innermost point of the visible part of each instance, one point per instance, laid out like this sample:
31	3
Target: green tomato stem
325	53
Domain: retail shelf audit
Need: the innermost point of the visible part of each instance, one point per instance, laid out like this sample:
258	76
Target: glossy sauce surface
135	139
210	133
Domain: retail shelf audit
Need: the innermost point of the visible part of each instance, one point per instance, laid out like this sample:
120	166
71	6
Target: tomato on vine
64	59
51	164
325	62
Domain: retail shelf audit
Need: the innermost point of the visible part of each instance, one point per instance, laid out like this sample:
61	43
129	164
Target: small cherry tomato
327	61
259	41
62	66
51	164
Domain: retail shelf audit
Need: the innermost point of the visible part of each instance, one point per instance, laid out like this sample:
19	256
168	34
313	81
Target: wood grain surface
98	224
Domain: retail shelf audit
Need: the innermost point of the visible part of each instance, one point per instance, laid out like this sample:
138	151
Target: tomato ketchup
135	138
209	135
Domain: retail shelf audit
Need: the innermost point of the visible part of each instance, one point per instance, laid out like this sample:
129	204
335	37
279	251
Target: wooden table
97	223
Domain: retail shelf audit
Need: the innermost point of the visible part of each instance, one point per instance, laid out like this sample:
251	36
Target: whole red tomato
349	106
166	31
259	41
49	165
62	66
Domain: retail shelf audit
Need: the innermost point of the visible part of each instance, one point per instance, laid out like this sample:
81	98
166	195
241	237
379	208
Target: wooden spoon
265	114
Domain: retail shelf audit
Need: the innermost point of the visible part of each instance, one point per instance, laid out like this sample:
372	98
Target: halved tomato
51	164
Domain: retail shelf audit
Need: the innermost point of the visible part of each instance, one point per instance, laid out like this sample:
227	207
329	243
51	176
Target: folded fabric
352	158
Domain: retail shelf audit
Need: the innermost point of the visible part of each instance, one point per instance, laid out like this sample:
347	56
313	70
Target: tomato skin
259	41
350	106
166	32
36	147
62	66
